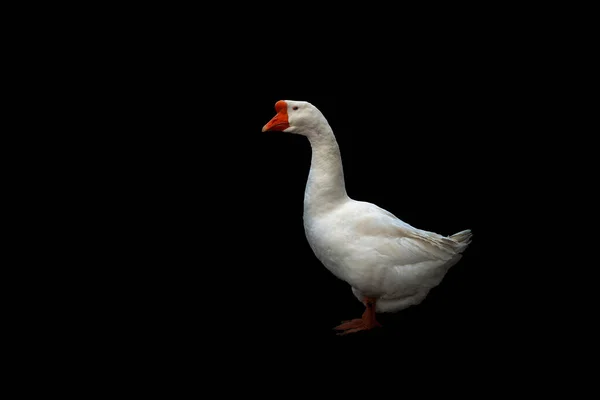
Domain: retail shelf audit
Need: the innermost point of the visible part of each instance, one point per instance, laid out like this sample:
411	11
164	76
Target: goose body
389	264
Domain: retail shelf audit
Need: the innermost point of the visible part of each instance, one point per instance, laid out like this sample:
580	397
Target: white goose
389	264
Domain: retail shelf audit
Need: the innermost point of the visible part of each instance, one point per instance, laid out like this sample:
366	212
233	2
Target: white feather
378	254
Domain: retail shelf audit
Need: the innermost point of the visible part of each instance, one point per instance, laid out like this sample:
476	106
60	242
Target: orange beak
280	121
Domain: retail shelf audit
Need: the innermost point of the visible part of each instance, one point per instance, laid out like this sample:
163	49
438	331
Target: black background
171	229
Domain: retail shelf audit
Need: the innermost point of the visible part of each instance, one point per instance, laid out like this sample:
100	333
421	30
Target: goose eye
295	108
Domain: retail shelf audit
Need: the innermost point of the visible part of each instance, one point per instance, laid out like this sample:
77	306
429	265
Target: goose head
298	117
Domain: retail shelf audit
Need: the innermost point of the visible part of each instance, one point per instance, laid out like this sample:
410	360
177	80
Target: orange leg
366	322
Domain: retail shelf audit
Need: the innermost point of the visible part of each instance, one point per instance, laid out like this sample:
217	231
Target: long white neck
325	187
